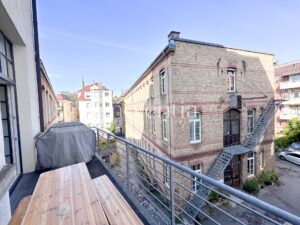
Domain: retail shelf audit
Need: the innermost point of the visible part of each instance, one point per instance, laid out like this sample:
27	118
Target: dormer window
231	86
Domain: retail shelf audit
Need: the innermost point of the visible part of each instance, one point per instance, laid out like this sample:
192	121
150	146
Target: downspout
37	64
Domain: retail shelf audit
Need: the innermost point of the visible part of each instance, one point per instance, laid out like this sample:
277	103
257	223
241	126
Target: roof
217	45
288	68
87	88
60	96
171	46
161	55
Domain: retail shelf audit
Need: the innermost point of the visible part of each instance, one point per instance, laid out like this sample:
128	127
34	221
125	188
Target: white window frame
149	128
195	186
151	89
194	121
106	104
165	129
231	73
162	77
153	123
249	116
251	163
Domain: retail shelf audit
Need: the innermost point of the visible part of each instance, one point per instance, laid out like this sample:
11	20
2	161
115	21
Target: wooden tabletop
65	196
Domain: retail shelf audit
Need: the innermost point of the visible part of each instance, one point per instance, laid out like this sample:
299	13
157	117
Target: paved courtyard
286	193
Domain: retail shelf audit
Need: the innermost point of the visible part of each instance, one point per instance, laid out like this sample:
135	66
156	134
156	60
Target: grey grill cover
64	144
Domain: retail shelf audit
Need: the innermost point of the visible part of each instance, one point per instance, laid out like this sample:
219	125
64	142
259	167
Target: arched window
231	87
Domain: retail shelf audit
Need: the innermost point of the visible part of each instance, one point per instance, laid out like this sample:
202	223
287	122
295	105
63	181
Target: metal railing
162	189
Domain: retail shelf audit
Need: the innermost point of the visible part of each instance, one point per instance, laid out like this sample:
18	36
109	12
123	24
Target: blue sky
113	41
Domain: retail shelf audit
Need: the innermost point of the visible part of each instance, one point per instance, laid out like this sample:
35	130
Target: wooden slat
115	206
65	196
19	213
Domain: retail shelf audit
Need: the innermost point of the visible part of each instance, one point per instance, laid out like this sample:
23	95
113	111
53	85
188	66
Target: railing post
98	144
172	199
127	166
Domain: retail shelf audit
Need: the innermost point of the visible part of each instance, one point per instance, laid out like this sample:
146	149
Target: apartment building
197	98
20	94
67	109
95	105
287	88
48	98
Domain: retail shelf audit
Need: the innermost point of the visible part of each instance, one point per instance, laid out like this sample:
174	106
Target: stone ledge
7	176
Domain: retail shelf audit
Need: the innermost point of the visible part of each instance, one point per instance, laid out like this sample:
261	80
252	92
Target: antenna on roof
82	82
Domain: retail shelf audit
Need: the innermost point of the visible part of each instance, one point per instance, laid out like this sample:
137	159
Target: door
6	124
232	173
231	126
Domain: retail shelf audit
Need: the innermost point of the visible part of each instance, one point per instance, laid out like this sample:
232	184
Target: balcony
284	116
161	191
289	85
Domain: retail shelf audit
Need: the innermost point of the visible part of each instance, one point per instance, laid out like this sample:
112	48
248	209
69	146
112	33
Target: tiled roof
288	69
87	89
60	96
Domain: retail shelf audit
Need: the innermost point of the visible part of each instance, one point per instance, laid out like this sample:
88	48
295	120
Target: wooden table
65	196
69	196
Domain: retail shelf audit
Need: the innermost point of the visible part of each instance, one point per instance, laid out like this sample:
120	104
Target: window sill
250	176
195	142
7	176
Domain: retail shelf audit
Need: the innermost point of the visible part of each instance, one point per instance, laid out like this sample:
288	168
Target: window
96	104
195	127
153	122
164	127
151	89
250	161
166	173
250	120
88	104
231	80
107	104
162	76
148	121
107	115
106	93
195	180
262	159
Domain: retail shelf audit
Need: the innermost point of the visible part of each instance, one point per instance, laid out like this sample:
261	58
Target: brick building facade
287	78
196	98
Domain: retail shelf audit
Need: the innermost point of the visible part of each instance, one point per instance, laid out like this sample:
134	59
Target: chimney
173	35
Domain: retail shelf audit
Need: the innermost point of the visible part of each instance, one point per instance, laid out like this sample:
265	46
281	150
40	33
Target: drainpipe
37	64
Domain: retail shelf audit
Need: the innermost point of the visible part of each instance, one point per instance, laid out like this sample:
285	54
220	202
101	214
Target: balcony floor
28	182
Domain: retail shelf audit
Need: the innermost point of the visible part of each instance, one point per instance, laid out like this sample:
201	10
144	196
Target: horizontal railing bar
153	195
214	206
150	184
247	198
199	210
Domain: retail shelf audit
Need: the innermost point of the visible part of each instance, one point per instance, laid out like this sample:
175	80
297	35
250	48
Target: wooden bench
19	213
65	196
114	205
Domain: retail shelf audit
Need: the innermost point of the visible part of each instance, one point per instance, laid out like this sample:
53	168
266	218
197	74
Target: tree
112	127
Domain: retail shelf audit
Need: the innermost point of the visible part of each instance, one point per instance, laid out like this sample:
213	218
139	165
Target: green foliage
265	178
290	134
252	186
112	127
282	142
213	196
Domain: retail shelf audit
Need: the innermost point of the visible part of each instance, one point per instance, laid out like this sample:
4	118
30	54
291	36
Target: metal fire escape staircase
227	154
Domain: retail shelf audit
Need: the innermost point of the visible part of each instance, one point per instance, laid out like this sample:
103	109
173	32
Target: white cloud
47	33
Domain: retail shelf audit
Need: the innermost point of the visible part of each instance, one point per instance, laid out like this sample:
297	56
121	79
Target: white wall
20	13
97	114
